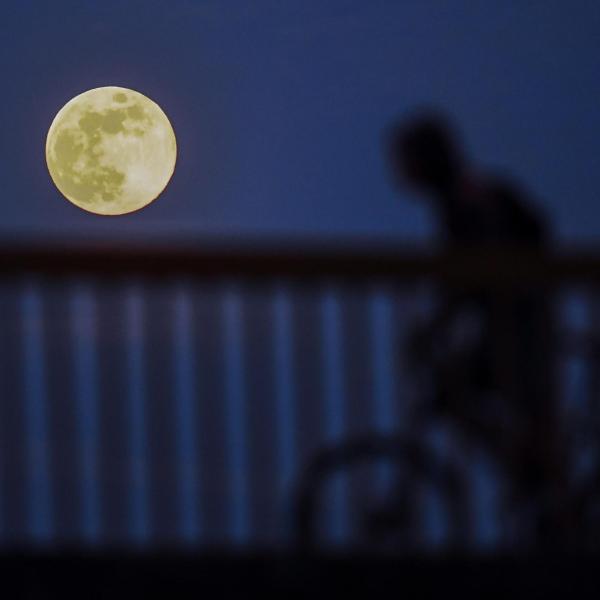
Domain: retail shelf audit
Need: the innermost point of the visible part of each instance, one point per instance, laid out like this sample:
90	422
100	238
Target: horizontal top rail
490	267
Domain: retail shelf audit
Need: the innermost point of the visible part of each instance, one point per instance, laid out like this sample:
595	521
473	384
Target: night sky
279	107
184	411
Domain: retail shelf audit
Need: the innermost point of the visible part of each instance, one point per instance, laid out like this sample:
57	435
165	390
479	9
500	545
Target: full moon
111	150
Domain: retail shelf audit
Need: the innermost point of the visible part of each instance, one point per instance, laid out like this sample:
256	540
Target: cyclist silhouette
490	353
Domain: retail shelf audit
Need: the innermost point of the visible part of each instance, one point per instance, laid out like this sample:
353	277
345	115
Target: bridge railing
171	396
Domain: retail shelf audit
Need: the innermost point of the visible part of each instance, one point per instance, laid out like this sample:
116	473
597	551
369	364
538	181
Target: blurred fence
166	397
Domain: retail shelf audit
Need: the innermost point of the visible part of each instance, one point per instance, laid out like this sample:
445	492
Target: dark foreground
220	575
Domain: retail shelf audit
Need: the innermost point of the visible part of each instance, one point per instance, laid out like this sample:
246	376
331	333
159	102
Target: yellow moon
111	150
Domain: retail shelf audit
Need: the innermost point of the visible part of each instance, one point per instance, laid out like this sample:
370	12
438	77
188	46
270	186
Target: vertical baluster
184	367
136	397
35	410
284	385
384	365
334	405
84	331
235	399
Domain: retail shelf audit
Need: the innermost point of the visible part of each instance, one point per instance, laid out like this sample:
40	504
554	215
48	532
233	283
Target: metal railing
173	395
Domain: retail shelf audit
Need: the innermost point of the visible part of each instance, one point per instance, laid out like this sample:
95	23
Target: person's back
490	214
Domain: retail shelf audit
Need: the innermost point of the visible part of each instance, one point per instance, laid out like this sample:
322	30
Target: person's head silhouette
473	207
425	154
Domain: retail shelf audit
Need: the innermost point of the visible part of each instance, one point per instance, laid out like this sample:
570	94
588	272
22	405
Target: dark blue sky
279	106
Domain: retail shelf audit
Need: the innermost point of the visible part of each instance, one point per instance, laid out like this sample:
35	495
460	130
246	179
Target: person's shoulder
502	185
517	205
